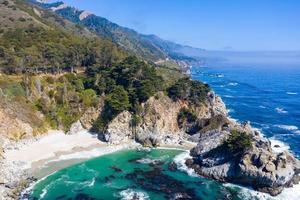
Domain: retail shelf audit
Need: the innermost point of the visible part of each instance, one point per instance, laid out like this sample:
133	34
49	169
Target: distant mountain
148	47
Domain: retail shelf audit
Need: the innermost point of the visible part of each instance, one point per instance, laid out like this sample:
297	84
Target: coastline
28	161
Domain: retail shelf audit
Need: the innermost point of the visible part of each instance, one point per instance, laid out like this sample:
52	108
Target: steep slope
149	47
36	40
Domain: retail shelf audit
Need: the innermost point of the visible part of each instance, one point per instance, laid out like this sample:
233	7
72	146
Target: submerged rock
172	166
155	180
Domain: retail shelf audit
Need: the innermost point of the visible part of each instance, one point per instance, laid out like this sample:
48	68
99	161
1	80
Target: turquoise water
129	173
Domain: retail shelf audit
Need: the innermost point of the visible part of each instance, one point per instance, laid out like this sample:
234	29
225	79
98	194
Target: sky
238	25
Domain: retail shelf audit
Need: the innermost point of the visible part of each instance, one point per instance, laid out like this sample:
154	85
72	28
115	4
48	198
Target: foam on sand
47	146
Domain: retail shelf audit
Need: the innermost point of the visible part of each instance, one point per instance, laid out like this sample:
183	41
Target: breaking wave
180	162
130	194
281	110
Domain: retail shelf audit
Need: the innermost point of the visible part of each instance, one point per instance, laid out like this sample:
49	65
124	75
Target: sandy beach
36	158
32	159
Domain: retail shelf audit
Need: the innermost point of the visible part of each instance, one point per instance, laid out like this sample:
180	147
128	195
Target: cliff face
159	122
258	166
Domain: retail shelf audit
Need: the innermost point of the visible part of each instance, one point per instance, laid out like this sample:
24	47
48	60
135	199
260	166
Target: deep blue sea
266	95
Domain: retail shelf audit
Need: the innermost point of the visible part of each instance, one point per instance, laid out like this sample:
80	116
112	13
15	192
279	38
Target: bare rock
119	129
90	115
270	167
259	167
75	128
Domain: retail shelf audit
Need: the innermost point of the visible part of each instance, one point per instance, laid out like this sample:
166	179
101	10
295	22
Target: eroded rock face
119	130
259	167
12	127
75	128
159	122
91	114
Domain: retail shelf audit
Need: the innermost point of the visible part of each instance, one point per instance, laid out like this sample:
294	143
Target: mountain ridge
150	47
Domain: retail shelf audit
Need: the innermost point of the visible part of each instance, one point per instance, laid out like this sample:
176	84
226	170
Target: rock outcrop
12	125
91	114
119	129
258	167
158	124
75	128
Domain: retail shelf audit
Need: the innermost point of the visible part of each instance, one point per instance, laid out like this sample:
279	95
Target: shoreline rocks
258	167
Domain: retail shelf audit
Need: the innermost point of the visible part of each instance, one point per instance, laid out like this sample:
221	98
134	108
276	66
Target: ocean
266	95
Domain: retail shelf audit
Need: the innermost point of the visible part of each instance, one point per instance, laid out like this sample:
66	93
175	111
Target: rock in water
258	167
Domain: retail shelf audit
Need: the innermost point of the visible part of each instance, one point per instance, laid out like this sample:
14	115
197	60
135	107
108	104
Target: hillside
53	72
149	47
36	40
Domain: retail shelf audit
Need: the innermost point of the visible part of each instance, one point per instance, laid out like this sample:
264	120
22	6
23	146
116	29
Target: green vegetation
78	69
186	116
238	143
126	84
185	89
64	100
36	49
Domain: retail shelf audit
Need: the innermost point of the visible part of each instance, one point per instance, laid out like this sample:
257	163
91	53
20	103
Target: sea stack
237	153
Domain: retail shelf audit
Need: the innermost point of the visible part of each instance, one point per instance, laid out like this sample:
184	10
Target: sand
49	153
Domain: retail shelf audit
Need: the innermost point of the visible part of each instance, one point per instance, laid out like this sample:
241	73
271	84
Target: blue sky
210	24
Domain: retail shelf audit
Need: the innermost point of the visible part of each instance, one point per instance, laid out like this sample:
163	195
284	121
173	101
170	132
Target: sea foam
281	110
233	84
180	162
278	146
287	127
132	194
292	93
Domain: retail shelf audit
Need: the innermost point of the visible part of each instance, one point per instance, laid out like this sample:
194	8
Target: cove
131	174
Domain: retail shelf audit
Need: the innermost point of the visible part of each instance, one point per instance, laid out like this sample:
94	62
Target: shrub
185	116
185	89
14	90
89	98
238	143
117	101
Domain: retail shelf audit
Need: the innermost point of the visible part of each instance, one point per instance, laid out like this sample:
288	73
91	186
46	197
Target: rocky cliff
257	166
159	122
